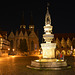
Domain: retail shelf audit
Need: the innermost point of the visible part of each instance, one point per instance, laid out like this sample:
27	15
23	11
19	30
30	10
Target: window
20	41
57	52
32	46
23	45
16	43
68	52
11	44
63	52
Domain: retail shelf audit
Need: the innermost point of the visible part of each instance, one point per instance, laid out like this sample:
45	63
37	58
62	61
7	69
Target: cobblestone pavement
17	66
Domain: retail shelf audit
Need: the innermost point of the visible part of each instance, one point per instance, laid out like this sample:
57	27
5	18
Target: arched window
57	52
63	52
74	52
16	43
68	52
23	45
32	46
20	41
11	44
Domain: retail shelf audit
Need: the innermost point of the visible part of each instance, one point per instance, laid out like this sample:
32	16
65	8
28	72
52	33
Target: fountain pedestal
48	50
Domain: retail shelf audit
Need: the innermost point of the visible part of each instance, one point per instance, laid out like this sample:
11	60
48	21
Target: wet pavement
17	66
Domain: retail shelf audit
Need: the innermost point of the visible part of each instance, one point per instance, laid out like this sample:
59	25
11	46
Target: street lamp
13	51
8	51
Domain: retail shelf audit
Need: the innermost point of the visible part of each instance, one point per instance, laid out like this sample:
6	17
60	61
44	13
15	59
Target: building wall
24	35
34	38
4	46
65	46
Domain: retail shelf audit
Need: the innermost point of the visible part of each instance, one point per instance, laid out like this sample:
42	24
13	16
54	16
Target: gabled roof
3	33
64	35
25	30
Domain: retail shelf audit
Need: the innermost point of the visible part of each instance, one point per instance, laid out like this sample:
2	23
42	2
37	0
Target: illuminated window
24	26
63	52
57	52
68	52
74	52
21	26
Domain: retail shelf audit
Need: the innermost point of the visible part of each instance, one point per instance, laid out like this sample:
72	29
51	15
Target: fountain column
48	47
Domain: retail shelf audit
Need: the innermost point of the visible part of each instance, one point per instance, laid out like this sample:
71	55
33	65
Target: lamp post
8	51
13	52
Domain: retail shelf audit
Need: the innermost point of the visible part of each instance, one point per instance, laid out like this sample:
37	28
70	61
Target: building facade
26	37
4	43
65	43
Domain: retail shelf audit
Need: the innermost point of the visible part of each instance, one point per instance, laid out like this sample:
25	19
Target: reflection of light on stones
13	56
0	59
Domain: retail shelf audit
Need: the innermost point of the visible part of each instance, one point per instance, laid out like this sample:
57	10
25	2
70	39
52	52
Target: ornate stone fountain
48	61
48	47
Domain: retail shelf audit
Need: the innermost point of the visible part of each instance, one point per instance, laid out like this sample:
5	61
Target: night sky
62	14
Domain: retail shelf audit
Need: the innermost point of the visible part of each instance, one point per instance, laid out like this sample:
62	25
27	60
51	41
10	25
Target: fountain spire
48	47
47	17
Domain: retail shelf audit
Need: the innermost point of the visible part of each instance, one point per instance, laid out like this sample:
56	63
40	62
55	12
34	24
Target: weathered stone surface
48	64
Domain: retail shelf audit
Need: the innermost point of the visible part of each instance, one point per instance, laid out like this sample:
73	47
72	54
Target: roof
25	30
64	35
3	33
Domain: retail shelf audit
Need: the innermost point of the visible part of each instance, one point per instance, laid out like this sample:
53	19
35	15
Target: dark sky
62	15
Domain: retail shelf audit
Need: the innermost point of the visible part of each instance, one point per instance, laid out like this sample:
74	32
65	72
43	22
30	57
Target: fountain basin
49	63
